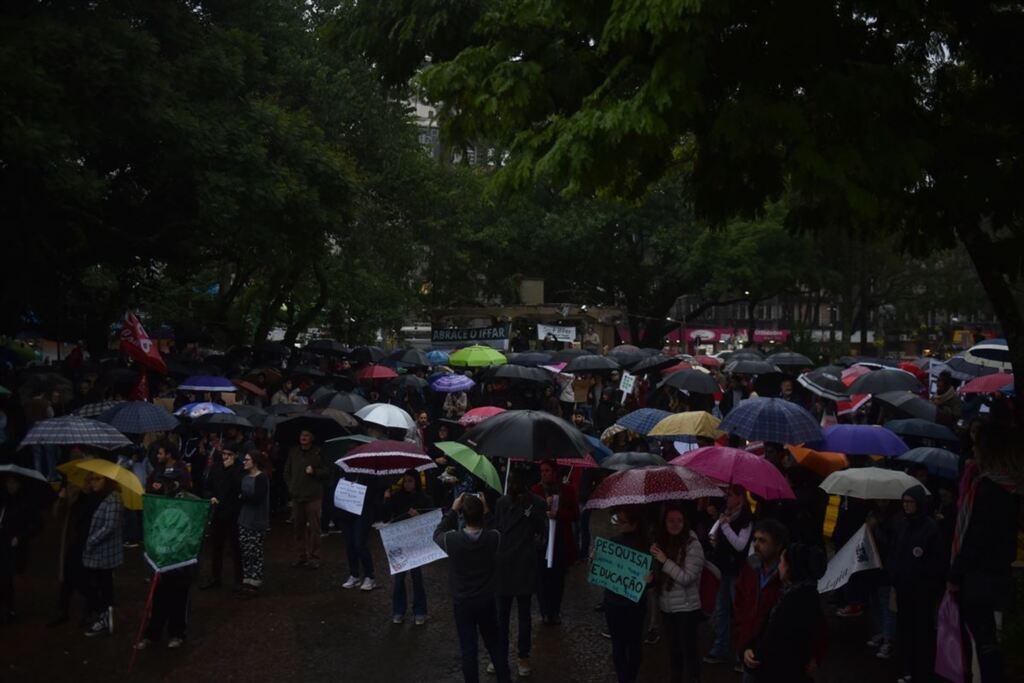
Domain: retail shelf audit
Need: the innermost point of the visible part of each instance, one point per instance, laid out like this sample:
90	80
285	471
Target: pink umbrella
651	485
988	384
478	415
385	457
733	466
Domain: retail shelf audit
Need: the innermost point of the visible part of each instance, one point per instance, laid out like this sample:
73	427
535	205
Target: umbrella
825	382
628	460
33	483
339	416
749	366
253	414
342	400
207	383
790	359
566	355
386	415
862	440
219	421
591	363
527	435
853	403
450	384
24	472
909	403
476	356
95	409
744	354
587	463
993	353
962	369
288	408
45	383
531	359
939	461
139	417
194	410
478	465
678	367
651	485
625	359
886	379
734	466
822	463
368	354
376	372
914	370
413	382
72	430
413	357
323	427
131	488
708	361
385	457
475	416
869	483
608	434
771	419
437	357
600	451
626	348
690	423
306	371
693	381
327	347
653	364
987	384
250	387
340	446
643	420
522	374
921	429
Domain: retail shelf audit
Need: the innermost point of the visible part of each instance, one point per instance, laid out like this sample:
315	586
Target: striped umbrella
450	384
993	353
73	430
139	417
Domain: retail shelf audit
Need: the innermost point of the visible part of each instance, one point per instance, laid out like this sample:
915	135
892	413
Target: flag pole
146	610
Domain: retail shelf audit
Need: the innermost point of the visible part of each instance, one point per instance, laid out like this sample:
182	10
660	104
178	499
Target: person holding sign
407	502
562	510
626	617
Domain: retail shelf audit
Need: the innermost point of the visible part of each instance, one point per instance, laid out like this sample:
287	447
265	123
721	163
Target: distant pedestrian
730	539
254	517
304	472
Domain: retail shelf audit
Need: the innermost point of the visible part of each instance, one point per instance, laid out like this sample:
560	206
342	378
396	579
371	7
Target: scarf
945	397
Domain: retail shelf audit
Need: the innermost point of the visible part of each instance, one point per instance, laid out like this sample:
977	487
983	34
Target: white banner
562	333
410	543
349	496
859	554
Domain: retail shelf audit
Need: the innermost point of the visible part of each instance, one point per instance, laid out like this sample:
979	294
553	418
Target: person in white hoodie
681	560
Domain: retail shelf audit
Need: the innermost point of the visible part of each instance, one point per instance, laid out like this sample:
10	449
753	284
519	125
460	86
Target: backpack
710	582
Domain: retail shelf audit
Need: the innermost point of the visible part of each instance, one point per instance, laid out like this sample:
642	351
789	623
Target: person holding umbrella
305	471
730	539
407	502
563	508
20	521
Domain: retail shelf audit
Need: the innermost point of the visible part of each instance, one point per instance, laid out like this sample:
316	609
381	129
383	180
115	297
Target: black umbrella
790	359
909	403
287	408
694	381
747	366
413	357
627	359
323	428
527	435
921	429
253	414
745	354
882	381
306	371
847	361
412	382
326	347
629	459
368	354
218	421
529	359
826	382
566	355
625	348
343	400
592	363
653	363
519	373
274	348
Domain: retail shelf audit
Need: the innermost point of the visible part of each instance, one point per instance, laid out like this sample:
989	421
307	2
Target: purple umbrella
861	440
449	384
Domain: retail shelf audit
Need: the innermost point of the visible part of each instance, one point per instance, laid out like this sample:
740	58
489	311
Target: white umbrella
386	415
991	354
869	483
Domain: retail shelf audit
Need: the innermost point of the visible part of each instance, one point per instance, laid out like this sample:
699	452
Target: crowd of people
761	559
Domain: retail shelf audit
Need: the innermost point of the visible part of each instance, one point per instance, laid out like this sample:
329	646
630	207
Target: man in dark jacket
304	472
224	487
758	588
563	509
472	559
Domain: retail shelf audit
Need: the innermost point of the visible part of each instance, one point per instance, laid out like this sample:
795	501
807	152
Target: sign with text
410	543
620	569
626	385
859	554
562	333
496	336
349	496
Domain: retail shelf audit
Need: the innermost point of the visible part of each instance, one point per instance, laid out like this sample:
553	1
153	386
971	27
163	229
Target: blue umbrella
862	440
643	420
939	461
207	383
437	357
450	383
921	429
600	451
194	410
771	419
139	417
963	369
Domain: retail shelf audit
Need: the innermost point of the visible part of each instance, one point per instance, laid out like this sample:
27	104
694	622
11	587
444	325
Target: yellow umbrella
822	463
692	423
131	489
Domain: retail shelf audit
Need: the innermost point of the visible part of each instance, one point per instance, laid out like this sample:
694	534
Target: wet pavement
305	627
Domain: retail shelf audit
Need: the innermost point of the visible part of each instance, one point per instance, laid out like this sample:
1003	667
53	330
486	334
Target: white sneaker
876	641
352	582
110	620
885	651
368	584
421	619
490	667
397	619
175	642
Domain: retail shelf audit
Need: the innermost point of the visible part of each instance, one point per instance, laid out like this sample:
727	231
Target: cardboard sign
410	543
620	569
349	496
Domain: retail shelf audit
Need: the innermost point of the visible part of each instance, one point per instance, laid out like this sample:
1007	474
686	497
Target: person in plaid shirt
104	551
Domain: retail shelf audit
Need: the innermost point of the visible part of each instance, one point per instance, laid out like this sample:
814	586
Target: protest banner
410	543
173	530
626	385
496	336
619	568
859	554
349	495
562	333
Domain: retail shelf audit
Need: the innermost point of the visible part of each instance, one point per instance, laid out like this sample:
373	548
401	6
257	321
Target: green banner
173	530
620	569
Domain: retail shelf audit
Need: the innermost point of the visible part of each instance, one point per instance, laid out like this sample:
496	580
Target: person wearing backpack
681	559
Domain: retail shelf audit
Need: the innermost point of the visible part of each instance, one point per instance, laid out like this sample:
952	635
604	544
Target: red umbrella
651	485
733	466
708	361
477	415
988	384
850	375
376	372
587	463
676	368
917	372
385	457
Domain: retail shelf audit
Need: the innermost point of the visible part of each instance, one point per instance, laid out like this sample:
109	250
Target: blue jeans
357	547
722	646
419	594
882	618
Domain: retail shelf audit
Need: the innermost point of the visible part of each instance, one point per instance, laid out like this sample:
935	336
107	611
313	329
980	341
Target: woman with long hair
407	502
730	540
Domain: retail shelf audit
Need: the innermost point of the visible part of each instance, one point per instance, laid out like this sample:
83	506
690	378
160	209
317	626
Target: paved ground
305	628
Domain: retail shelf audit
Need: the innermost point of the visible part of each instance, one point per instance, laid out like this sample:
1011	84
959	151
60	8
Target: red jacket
750	610
568	512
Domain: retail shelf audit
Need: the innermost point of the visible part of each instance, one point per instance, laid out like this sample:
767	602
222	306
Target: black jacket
918	557
990	545
785	645
397	507
225	484
523	530
472	559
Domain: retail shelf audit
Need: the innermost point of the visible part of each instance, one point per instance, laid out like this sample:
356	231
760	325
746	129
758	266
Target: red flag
141	390
137	344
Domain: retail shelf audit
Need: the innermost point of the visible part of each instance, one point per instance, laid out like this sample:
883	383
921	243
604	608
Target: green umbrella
476	357
477	464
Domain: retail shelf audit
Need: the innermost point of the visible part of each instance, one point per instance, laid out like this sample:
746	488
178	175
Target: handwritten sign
410	543
620	569
349	496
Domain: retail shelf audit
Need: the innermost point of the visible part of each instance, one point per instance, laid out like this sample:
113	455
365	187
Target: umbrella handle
508	468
